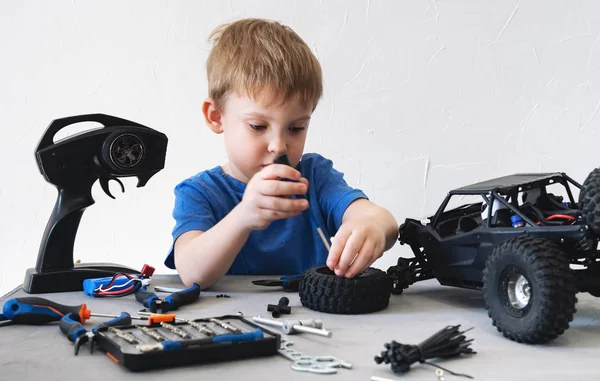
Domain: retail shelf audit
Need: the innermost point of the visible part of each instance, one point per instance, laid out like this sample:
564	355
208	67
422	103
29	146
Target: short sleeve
192	210
334	193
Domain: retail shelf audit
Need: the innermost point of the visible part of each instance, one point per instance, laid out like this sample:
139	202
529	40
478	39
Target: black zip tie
446	343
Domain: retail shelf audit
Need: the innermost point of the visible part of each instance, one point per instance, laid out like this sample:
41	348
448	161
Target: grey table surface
42	352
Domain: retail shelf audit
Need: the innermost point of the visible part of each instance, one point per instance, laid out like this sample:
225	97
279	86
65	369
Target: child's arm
367	231
205	257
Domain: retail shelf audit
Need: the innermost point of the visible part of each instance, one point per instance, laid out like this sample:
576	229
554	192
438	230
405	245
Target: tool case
162	345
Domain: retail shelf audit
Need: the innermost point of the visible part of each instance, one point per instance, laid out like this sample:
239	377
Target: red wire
118	291
114	278
555	216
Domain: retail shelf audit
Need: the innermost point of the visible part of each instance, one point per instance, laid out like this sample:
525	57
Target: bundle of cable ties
446	343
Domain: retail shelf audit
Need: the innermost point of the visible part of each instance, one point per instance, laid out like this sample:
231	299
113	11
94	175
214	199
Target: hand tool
288	282
35	310
313	364
176	330
124	335
170	345
283	159
77	334
153	333
223	324
169	303
202	328
292	326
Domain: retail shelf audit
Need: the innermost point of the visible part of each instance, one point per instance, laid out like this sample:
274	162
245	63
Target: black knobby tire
593	178
589	201
552	291
322	290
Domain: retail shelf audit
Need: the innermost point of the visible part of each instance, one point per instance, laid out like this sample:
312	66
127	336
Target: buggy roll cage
494	194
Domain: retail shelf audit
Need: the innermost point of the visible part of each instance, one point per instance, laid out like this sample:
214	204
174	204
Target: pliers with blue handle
289	283
77	334
172	302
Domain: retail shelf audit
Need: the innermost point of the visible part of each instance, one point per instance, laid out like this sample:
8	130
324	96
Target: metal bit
176	330
293	326
226	325
124	335
151	347
153	334
202	328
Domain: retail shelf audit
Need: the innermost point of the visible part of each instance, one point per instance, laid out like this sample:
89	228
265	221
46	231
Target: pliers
171	302
289	282
77	334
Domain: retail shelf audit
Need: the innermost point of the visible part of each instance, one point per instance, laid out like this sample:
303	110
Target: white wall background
420	97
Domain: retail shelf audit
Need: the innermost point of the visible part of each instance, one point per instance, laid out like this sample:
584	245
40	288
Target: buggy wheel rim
519	291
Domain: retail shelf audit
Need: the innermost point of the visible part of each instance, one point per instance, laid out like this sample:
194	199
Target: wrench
293	326
313	364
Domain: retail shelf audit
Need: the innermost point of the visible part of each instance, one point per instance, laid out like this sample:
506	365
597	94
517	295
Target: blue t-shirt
286	246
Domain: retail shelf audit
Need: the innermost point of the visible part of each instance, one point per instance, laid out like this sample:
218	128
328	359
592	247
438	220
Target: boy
239	218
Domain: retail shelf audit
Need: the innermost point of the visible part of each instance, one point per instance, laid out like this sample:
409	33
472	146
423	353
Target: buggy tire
591	181
321	290
529	290
589	201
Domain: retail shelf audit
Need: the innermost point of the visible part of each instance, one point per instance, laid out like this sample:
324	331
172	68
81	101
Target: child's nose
277	145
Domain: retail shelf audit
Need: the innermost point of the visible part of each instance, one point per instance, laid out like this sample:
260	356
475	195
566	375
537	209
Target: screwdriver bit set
186	342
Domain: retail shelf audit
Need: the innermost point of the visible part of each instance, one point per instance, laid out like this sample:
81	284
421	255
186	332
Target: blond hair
253	55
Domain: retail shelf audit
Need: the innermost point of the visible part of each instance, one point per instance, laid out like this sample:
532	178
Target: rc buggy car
529	248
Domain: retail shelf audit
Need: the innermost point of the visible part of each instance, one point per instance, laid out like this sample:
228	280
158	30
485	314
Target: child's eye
297	129
257	127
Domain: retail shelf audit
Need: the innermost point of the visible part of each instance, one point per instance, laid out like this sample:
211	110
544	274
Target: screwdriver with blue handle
35	310
172	302
77	334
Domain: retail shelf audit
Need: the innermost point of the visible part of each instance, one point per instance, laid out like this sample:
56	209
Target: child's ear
212	115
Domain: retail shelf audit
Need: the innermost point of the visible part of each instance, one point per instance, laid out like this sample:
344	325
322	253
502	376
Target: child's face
257	132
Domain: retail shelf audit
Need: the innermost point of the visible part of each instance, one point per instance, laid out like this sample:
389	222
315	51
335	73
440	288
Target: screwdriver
283	159
35	310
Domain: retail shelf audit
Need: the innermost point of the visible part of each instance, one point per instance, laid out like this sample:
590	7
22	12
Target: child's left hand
360	241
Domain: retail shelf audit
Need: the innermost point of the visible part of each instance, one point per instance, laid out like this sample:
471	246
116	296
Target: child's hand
267	198
358	241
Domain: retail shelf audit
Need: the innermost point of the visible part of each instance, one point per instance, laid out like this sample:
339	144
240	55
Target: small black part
280	308
283	159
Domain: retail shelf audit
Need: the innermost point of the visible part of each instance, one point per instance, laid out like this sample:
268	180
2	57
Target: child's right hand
267	198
